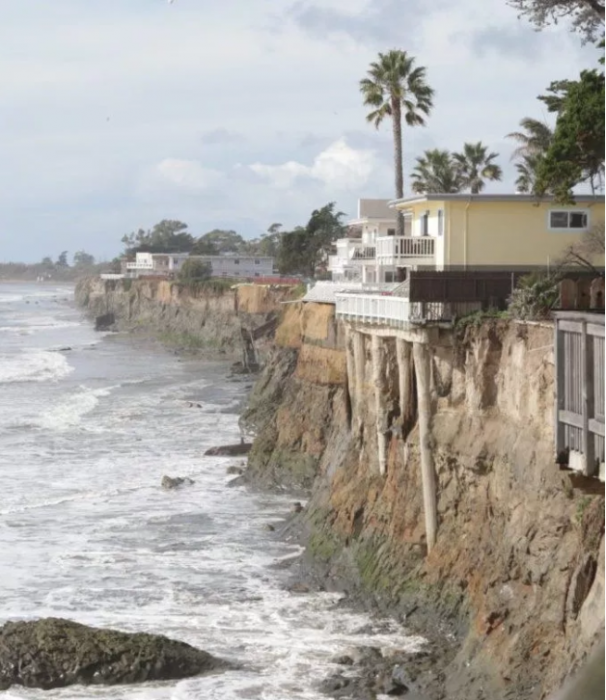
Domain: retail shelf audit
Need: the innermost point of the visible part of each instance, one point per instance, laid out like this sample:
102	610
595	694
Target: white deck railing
398	311
374	308
403	247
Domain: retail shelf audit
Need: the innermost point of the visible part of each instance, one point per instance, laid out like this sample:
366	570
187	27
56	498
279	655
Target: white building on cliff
240	266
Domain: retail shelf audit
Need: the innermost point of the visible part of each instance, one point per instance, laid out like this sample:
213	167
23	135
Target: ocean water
89	424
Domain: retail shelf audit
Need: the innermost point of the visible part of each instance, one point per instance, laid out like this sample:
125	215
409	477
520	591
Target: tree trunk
396	119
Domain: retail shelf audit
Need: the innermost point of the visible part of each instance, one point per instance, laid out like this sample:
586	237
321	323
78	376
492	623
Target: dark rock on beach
53	653
229	450
173	482
105	322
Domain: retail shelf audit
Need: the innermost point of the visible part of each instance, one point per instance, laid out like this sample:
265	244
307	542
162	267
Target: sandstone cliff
213	320
517	569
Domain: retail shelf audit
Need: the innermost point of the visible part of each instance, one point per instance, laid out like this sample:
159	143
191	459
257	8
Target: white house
357	258
233	265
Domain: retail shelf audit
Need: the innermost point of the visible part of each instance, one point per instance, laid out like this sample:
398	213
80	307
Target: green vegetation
439	171
477	318
305	250
535	296
396	89
586	16
195	270
582	505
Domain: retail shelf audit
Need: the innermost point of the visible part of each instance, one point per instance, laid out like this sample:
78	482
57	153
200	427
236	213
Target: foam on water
87	532
33	366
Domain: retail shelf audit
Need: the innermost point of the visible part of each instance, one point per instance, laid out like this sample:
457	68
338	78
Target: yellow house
466	230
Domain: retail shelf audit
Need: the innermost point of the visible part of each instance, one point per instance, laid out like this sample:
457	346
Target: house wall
509	233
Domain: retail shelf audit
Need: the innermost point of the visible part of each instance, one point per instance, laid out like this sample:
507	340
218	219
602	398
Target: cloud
221	137
339	167
183	174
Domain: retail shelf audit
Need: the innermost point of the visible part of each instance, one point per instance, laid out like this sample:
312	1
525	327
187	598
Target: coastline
501	621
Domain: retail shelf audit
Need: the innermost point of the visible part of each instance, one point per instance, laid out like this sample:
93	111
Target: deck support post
359	362
404	356
377	377
422	371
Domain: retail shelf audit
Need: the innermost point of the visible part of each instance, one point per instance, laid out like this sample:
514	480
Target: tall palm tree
396	88
535	138
475	165
436	172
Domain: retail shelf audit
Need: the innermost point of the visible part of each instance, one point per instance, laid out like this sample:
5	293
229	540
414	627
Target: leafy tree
62	259
587	16
475	165
303	250
221	241
195	270
576	153
82	259
47	261
167	236
204	246
436	172
397	89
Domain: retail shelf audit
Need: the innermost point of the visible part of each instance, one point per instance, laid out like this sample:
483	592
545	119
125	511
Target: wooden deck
579	356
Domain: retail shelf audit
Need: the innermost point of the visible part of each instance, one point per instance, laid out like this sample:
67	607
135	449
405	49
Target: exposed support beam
404	357
380	392
359	362
351	369
423	375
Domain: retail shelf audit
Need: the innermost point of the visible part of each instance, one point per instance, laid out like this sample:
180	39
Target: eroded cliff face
205	320
518	561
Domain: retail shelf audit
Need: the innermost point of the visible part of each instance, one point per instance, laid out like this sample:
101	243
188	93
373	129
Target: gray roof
466	197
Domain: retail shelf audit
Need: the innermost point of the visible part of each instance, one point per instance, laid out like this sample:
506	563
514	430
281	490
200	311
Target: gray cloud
221	137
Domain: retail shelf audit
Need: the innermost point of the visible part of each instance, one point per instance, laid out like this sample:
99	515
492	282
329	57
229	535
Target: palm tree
535	138
475	165
436	172
395	88
527	172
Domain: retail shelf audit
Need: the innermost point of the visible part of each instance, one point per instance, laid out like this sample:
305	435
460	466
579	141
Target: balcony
398	311
400	250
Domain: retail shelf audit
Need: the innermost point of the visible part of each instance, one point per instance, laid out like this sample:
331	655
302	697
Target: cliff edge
516	573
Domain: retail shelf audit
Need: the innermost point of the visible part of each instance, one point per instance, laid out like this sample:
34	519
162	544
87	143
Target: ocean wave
34	366
69	412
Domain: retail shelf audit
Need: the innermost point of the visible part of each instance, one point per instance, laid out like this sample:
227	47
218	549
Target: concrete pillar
359	362
428	475
404	358
377	379
351	368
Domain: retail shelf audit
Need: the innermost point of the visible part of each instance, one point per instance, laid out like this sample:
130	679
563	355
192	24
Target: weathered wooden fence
579	345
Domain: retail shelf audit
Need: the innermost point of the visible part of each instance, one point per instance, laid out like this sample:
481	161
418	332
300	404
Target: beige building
488	229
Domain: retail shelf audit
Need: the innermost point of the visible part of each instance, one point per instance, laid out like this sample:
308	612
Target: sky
116	114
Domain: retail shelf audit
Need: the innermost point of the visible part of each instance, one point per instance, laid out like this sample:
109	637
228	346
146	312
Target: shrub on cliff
535	296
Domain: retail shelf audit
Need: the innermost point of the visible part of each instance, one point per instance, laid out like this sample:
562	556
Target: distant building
240	266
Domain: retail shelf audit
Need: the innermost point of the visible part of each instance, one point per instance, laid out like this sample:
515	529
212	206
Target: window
440	222
391	232
257	262
236	261
425	224
568	219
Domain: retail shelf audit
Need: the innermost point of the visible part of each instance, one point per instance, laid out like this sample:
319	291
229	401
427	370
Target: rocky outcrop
516	563
242	448
53	653
173	482
210	319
